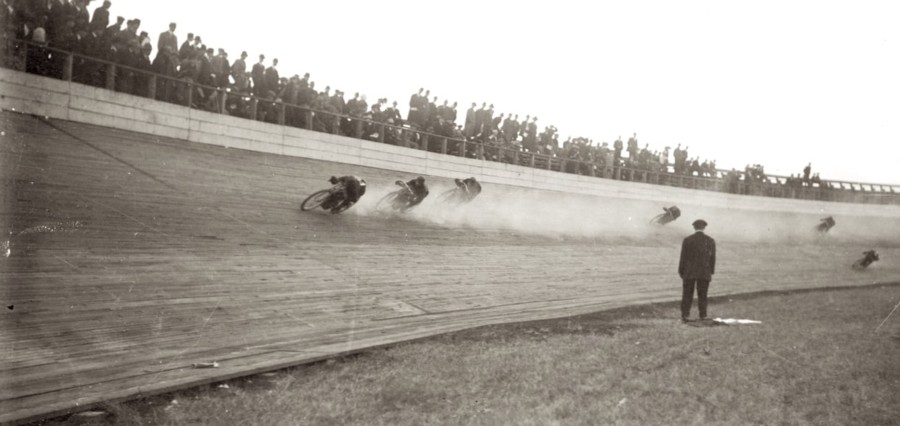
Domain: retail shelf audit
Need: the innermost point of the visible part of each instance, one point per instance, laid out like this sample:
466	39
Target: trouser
687	297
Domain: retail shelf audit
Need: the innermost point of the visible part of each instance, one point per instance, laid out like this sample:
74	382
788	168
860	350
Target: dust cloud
561	215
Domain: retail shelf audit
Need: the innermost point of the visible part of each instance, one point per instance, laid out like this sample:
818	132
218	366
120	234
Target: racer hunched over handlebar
345	192
417	191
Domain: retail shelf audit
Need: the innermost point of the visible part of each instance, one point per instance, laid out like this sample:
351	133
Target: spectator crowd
117	55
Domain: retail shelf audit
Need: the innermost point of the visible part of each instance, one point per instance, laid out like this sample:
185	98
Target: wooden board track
131	257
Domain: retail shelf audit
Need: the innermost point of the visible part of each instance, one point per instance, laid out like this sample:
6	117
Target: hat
699	224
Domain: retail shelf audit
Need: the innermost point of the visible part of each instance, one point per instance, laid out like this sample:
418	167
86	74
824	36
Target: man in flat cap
696	267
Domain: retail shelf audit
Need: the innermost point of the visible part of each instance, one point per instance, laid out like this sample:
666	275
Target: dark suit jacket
698	257
100	20
167	39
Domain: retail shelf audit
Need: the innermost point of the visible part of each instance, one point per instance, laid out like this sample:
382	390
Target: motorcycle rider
674	212
826	224
470	186
869	256
417	191
352	188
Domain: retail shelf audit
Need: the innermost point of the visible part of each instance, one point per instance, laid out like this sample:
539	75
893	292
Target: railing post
190	95
381	129
281	108
357	129
531	163
151	86
110	77
335	124
254	106
516	156
223	101
480	151
424	141
25	57
462	149
309	118
67	66
562	164
444	146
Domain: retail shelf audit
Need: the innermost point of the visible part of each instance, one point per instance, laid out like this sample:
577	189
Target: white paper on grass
732	321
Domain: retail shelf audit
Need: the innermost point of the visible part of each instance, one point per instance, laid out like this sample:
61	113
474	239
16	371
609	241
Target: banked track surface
131	257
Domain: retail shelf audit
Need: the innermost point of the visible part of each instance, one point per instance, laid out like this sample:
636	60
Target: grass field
816	359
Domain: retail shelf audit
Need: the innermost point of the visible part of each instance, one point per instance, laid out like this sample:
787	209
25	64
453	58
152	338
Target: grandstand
227	100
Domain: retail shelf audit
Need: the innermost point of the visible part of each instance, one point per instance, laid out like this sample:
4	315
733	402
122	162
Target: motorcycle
825	225
399	200
868	258
326	199
671	213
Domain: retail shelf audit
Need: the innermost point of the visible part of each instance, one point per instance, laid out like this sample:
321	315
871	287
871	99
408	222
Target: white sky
779	83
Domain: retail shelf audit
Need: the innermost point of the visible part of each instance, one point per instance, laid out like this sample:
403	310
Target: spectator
806	171
290	94
166	63
617	146
123	38
495	123
258	75
523	131
239	73
507	129
144	40
633	147
143	63
129	57
487	121
429	116
218	67
469	129
480	119
353	106
100	20
271	77
679	160
187	47
86	71
81	15
337	102
112	32
168	41
206	76
392	115
416	103
38	58
63	38
664	160
58	12
531	134
696	267
225	70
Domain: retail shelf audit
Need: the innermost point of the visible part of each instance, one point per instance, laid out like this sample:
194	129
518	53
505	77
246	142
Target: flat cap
699	224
